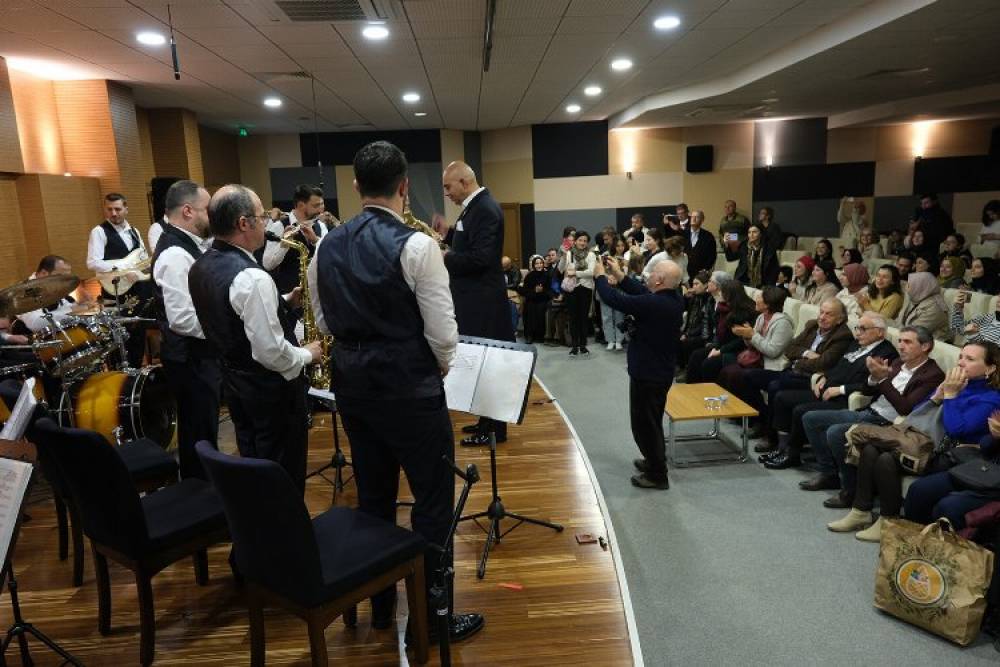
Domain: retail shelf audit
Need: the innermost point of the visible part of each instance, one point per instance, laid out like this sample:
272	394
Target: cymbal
29	295
131	320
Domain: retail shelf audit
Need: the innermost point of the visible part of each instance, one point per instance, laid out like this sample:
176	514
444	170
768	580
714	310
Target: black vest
209	281
174	346
380	347
115	248
286	274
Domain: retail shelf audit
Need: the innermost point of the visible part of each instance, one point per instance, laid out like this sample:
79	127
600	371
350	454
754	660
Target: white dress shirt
171	274
425	273
881	405
98	241
274	252
36	320
155	232
254	298
465	205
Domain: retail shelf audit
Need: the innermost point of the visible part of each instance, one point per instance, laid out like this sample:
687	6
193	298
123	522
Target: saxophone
318	374
413	222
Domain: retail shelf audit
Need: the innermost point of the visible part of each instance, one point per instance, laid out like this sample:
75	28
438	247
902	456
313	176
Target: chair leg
351	616
76	530
416	599
317	643
103	592
201	567
63	527
147	618
238	578
257	645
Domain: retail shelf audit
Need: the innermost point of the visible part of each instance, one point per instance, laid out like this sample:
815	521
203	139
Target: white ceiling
545	52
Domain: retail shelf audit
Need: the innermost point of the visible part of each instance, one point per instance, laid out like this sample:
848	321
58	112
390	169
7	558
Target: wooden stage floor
570	610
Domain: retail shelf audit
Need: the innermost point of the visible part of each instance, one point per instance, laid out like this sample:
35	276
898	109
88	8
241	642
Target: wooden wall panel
192	146
35	236
145	145
37	124
255	172
128	151
10	143
13	265
88	137
176	143
58	213
220	157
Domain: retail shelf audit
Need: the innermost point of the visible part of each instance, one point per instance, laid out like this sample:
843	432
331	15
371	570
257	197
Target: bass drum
132	404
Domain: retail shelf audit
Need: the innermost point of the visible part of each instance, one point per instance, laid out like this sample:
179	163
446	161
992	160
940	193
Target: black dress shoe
770	456
821	482
641	465
471	428
783	462
841	501
644	482
479	440
463	626
765	447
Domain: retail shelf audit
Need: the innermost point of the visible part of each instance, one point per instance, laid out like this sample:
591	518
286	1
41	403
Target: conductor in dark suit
477	283
699	244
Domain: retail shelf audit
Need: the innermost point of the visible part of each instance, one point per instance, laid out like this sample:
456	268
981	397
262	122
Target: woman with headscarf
985	276
856	279
926	306
951	274
536	292
825	283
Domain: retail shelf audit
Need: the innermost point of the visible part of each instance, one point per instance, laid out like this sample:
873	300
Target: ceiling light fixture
151	38
272	102
592	91
621	64
375	31
411	98
666	23
573	108
420	114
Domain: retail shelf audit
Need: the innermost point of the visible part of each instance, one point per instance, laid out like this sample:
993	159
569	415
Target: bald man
474	266
658	309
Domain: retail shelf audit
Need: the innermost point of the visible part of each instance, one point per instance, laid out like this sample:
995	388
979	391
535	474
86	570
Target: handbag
978	475
912	448
750	358
569	284
932	578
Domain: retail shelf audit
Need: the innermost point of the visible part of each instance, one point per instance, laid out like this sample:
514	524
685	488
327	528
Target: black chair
143	534
317	569
148	464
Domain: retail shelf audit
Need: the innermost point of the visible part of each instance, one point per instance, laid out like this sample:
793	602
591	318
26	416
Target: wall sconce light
628	175
768	161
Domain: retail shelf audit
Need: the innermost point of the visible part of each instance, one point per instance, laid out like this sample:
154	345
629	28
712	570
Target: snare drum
84	341
122	405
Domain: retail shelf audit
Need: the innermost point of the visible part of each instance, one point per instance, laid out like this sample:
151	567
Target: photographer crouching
657	309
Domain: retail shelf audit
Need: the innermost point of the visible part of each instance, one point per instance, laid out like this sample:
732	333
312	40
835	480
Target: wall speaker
700	158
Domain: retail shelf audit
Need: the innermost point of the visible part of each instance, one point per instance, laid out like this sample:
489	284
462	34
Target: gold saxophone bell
413	222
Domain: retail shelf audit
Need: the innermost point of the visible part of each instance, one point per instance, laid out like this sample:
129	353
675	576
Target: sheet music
489	381
14	477
20	416
463	375
323	394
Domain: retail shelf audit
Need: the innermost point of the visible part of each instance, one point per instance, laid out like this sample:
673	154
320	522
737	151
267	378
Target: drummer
36	320
12	357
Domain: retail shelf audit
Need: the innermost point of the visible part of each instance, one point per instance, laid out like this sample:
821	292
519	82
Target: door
512	233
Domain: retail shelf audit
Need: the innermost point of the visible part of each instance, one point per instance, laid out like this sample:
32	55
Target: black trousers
579	307
196	385
646	402
534	320
879	475
415	439
790	405
269	416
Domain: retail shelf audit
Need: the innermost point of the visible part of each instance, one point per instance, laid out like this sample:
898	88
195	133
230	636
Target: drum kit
94	392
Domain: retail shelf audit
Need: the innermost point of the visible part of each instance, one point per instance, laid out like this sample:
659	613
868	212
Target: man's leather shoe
841	501
479	440
641	465
644	482
821	482
463	626
471	428
769	456
765	447
783	462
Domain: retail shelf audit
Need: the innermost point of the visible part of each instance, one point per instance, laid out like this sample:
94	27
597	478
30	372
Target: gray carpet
733	564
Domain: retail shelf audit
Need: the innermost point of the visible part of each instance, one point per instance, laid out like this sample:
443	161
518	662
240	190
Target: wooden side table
686	402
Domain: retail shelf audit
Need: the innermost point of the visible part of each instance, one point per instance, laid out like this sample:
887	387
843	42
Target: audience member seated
870	246
856	279
951	273
926	306
536	292
802	277
968	396
954	246
885	295
897	242
985	278
705	364
850	256
904	264
758	264
981	327
829	392
823	252
922	250
816	350
825	283
924	264
699	318
897	388
786	277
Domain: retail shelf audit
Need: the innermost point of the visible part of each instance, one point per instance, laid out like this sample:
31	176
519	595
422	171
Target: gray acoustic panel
790	142
549	224
472	144
284	180
805	217
896	212
426	194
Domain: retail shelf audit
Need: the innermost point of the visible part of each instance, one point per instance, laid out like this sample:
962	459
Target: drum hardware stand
117	330
496	512
338	461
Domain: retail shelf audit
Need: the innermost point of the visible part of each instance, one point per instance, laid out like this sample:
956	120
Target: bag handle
942	524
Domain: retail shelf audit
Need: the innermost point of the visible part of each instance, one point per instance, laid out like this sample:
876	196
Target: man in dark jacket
699	244
830	391
477	282
658	310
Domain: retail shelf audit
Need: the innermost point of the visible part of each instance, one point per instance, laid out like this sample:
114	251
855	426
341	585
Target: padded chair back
100	485
807	311
945	354
273	537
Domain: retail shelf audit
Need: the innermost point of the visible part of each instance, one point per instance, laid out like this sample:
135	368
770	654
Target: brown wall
220	158
128	150
13	264
57	213
10	144
37	124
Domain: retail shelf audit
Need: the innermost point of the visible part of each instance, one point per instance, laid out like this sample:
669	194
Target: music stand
521	384
338	460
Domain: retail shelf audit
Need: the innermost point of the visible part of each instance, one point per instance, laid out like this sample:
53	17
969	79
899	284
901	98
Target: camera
627	326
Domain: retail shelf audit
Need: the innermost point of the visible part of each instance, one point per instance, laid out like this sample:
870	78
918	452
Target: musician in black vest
245	318
189	361
381	289
114	239
477	283
303	226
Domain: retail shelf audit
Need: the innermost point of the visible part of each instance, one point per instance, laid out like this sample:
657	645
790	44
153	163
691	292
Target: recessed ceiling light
375	31
666	23
592	91
272	102
151	38
573	108
420	114
412	98
621	64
